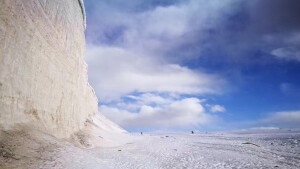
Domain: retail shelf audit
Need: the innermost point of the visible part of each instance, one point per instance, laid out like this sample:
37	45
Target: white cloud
169	21
165	29
157	30
181	113
138	60
116	72
290	46
288	53
150	98
217	108
282	119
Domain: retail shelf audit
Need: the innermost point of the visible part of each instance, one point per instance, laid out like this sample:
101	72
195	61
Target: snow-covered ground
205	151
268	149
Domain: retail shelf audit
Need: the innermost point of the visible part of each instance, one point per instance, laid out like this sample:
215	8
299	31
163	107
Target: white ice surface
184	150
242	149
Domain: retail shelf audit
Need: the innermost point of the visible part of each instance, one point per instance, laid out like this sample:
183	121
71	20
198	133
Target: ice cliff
43	74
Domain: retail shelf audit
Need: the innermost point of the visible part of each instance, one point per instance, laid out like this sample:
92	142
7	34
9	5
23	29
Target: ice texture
43	74
161	151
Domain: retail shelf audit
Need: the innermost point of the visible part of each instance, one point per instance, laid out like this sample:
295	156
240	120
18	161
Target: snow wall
43	74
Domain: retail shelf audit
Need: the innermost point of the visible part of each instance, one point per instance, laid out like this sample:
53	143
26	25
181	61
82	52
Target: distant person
141	133
192	132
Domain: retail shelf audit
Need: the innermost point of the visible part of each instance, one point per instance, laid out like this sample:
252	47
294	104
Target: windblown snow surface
271	149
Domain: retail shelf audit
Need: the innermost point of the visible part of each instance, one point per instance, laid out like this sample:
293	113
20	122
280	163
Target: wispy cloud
287	53
217	108
289	119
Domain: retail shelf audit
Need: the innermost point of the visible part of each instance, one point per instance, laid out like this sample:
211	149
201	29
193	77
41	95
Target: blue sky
195	64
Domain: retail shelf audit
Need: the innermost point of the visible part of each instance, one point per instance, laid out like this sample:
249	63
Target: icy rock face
43	75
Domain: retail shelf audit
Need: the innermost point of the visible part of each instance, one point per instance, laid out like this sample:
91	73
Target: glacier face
43	75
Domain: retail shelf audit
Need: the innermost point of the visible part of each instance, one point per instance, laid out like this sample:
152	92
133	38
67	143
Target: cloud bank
286	119
148	57
134	69
184	113
138	91
115	72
